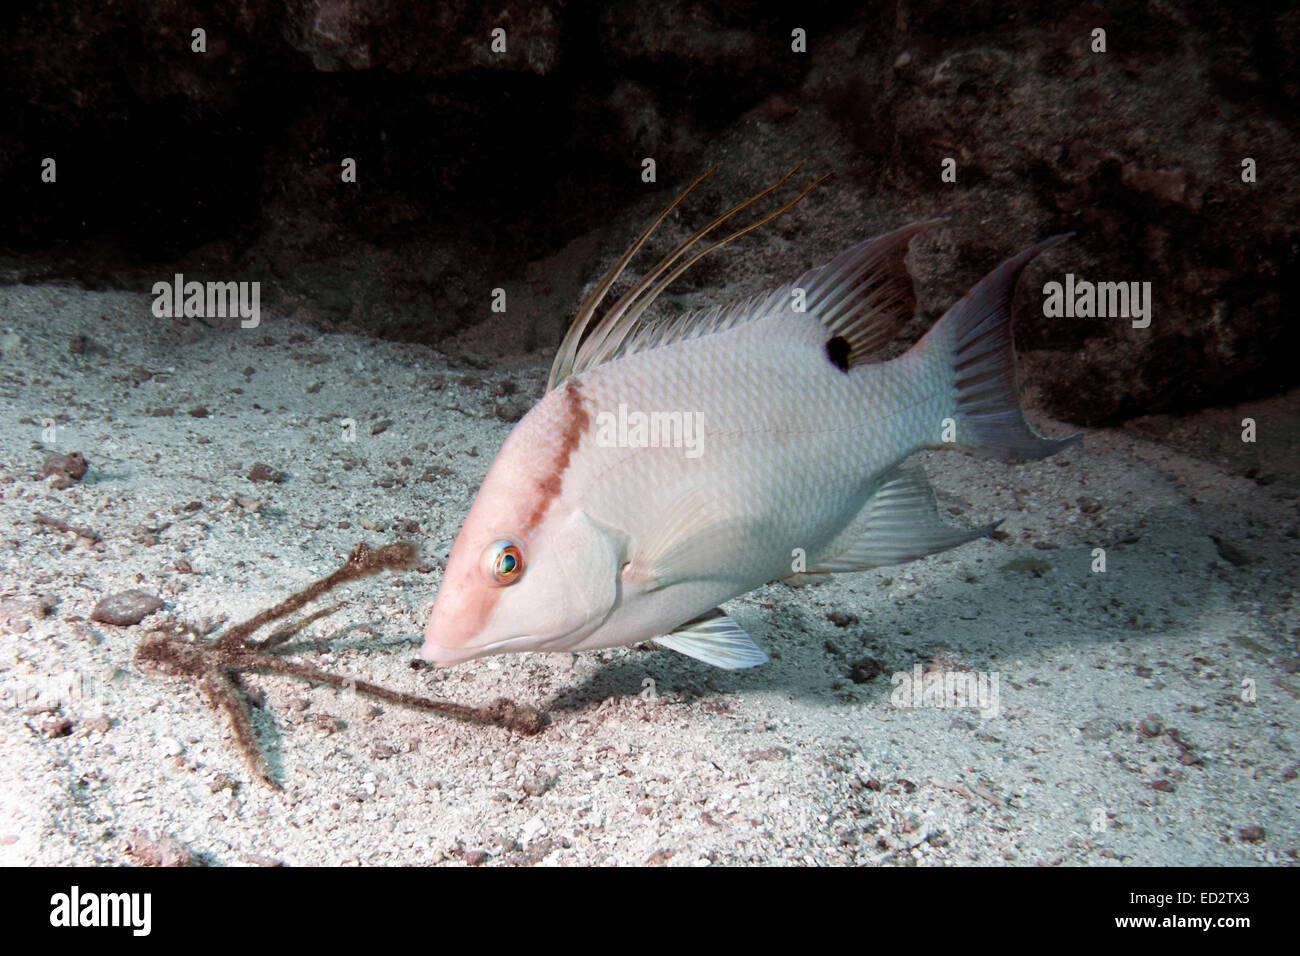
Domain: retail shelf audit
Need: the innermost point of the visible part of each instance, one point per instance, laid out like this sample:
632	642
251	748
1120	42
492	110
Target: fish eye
503	561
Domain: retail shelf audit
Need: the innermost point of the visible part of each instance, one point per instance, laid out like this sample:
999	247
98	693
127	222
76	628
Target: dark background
523	170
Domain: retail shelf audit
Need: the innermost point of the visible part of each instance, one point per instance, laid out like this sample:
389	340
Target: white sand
792	762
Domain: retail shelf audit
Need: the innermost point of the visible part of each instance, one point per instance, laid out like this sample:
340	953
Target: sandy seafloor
1121	694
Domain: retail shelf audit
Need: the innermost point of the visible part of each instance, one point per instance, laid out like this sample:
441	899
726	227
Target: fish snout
441	654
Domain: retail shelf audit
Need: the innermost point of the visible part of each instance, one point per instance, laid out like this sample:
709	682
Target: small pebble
71	465
264	472
1252	834
125	608
164	851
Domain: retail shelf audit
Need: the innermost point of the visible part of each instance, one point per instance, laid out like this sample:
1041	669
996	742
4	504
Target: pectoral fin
715	639
693	541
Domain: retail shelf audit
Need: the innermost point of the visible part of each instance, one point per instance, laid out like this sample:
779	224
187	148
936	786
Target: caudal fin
973	344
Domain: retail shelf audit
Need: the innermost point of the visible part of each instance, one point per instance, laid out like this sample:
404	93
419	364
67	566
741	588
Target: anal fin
900	522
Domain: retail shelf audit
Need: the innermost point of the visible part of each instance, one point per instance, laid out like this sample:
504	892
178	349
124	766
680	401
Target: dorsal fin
604	342
692	325
863	296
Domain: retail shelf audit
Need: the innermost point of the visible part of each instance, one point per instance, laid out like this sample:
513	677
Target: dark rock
864	669
442	38
521	170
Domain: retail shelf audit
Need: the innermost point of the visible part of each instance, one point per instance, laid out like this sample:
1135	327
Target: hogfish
674	465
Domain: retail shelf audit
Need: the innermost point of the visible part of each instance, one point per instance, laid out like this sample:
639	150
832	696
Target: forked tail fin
973	344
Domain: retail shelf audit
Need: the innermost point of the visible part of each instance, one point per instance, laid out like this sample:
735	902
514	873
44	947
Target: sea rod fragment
215	665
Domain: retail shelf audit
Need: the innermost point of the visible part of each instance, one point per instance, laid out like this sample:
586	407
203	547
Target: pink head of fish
569	570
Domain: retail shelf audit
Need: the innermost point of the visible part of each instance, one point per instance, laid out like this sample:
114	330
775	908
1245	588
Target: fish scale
851	426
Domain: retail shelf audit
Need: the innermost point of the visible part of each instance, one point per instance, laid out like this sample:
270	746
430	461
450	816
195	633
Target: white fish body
621	539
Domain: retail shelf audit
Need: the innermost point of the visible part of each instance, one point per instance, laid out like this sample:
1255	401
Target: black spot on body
837	350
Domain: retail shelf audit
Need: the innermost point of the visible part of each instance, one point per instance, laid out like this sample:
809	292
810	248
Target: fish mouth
442	656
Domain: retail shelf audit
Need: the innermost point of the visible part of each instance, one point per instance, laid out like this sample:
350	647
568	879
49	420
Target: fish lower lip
446	656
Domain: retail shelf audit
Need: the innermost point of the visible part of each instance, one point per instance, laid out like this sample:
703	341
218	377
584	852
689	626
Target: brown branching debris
215	666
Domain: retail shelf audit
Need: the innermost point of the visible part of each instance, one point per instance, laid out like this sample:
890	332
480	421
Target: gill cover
590	558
